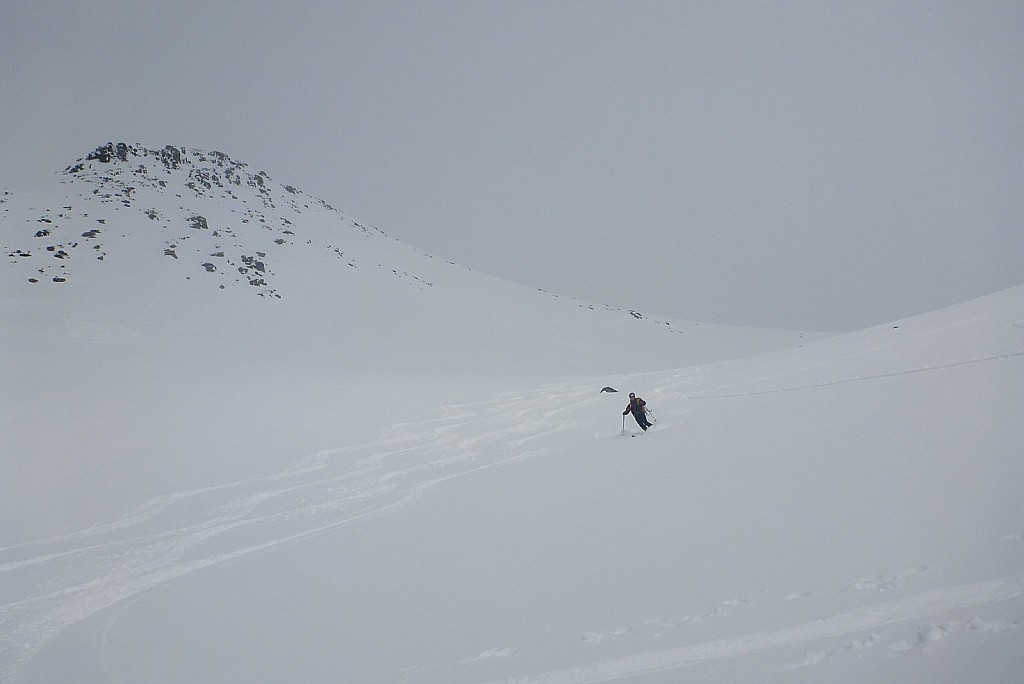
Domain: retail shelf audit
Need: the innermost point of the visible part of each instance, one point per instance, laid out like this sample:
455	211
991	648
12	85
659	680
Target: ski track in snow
912	608
720	392
860	378
47	585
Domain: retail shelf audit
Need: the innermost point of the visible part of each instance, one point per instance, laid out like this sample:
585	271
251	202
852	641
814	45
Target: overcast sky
788	164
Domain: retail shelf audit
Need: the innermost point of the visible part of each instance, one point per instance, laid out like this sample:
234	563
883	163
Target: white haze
808	164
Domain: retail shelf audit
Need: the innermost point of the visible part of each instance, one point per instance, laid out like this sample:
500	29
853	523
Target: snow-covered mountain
245	438
168	239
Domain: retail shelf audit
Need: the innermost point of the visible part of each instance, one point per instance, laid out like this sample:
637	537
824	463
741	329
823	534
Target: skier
639	408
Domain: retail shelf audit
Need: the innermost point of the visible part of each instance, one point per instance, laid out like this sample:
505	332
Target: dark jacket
636	405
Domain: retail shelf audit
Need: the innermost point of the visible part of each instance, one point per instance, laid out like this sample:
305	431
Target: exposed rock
102	154
107	153
171	157
126	175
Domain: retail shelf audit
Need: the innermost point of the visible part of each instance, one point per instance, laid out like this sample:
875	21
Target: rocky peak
170	157
204	211
121	165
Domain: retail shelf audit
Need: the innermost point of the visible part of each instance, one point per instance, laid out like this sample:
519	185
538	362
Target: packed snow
359	462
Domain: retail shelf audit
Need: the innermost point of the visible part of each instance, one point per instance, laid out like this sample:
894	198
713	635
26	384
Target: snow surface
373	465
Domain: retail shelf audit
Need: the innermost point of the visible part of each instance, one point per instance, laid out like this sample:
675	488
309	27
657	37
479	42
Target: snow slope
844	509
150	245
213	309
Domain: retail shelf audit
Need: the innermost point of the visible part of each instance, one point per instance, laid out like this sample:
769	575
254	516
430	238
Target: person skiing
639	408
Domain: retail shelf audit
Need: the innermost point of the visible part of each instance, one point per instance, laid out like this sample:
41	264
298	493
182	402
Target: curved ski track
48	585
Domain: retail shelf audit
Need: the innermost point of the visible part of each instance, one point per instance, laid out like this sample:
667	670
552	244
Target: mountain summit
121	184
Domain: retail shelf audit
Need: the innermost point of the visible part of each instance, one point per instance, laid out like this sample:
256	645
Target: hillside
138	243
202	303
377	466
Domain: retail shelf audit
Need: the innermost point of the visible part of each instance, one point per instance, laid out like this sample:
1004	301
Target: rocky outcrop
218	220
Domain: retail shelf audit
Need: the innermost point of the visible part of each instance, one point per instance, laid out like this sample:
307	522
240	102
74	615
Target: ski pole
623	425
